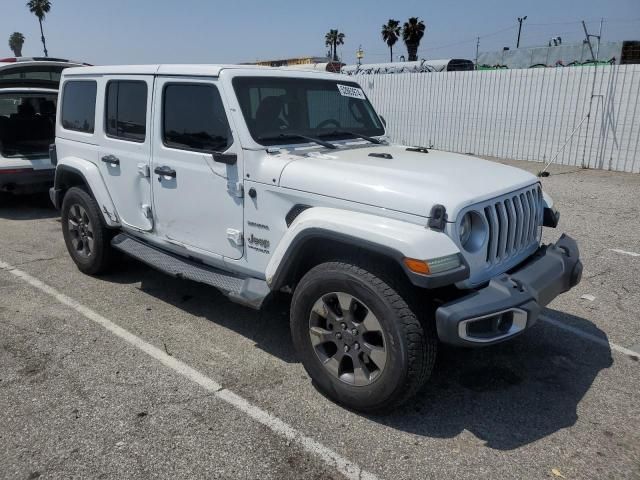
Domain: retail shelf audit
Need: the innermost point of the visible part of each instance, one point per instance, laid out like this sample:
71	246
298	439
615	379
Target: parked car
28	100
258	180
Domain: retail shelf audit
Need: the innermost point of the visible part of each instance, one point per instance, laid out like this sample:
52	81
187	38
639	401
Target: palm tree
391	34
40	8
332	39
16	40
412	33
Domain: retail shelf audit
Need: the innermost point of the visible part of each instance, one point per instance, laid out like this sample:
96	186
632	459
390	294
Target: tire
86	236
366	382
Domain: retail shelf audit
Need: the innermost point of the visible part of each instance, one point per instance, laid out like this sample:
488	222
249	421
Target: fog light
504	322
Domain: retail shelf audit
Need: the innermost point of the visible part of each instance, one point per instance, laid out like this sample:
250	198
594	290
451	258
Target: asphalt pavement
135	374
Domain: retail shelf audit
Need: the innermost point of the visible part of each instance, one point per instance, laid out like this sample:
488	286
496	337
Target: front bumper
26	180
511	302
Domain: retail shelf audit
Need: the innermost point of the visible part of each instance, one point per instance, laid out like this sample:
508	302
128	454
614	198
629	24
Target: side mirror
384	122
226	158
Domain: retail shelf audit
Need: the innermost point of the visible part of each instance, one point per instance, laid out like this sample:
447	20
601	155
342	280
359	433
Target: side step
245	290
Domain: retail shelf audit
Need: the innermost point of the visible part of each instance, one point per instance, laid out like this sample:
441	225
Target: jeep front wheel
359	339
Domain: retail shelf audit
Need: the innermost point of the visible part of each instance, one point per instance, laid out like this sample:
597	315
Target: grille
513	222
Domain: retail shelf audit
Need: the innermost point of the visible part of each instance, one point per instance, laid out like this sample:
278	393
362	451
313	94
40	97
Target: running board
244	290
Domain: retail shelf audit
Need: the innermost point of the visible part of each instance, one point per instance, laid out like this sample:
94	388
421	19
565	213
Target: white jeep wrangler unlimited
263	180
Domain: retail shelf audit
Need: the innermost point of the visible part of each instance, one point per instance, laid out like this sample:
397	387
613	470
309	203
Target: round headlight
473	231
465	229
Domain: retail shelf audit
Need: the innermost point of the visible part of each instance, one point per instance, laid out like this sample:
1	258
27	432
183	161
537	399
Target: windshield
290	110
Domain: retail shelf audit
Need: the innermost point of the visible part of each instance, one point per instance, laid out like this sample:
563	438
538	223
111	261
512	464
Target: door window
126	110
194	118
79	105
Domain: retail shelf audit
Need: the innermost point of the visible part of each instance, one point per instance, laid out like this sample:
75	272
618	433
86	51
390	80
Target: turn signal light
433	265
417	266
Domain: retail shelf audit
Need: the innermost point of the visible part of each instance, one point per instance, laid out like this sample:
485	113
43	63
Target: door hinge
235	236
236	189
144	170
146	211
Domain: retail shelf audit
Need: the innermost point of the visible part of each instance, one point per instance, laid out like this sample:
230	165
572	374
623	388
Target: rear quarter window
79	106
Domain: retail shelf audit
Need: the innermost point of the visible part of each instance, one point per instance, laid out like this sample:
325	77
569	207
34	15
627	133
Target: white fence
527	114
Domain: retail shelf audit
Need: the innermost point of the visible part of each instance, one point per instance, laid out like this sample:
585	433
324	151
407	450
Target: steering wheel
328	122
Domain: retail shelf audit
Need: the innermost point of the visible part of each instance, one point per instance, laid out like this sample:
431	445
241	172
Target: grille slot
513	223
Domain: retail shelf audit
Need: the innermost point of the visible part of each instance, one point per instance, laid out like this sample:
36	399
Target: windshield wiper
289	135
353	134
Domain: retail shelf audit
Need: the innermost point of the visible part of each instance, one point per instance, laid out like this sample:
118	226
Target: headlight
465	229
473	231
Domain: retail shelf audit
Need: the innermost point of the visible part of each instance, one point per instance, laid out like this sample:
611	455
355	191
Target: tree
412	33
40	8
391	34
16	40
332	39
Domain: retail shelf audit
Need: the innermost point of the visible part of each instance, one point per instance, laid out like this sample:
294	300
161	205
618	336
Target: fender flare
93	180
392	238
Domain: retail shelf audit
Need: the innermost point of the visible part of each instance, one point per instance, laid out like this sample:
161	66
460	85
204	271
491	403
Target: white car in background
28	101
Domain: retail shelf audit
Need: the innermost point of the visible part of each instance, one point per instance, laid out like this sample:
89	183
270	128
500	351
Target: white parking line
588	336
624	252
346	467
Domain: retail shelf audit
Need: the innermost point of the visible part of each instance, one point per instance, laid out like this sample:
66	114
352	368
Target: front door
195	198
125	151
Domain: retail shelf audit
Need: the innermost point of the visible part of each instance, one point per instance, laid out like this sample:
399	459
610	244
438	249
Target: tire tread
421	343
104	260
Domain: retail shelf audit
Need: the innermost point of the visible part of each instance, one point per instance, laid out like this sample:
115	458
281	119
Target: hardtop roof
209	70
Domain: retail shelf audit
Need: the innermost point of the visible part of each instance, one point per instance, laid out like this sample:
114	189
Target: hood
409	182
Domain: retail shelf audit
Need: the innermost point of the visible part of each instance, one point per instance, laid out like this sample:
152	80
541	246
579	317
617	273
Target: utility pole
360	55
599	38
520	20
477	50
588	39
593	86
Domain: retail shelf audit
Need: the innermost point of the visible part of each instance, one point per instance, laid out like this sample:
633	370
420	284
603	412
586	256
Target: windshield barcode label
353	92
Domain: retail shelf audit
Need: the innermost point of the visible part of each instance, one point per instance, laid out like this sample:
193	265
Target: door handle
165	171
112	159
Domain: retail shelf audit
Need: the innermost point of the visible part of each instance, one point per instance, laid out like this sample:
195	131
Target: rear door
125	146
28	98
196	201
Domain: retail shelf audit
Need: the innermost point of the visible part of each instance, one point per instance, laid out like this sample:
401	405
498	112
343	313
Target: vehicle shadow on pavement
267	328
507	395
26	207
510	394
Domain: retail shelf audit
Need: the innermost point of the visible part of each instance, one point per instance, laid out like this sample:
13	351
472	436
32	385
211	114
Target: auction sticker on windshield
353	92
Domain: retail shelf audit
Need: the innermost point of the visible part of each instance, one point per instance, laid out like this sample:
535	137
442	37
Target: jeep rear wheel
86	236
359	339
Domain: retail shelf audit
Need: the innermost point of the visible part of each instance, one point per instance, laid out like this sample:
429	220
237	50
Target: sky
210	31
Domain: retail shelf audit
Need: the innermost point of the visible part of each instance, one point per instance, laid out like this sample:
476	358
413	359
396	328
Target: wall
526	114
